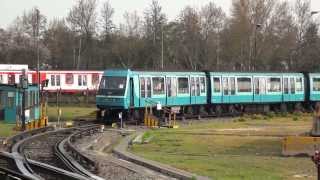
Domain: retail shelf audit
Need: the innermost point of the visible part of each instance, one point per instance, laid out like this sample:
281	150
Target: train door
229	89
286	89
259	84
193	89
171	90
145	89
131	90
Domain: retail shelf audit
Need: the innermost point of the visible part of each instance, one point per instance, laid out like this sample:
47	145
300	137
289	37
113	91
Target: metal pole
162	47
38	50
23	115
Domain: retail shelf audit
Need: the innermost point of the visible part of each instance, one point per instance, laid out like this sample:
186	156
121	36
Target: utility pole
38	50
255	46
162	47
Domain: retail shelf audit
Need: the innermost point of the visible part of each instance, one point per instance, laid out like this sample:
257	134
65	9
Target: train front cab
314	92
113	95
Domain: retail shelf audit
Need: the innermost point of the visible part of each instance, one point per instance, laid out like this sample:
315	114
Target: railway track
43	156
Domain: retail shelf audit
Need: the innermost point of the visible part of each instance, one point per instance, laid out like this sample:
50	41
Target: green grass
7	129
70	112
214	149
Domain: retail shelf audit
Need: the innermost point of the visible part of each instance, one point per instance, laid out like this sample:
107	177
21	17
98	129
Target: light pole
162	47
257	26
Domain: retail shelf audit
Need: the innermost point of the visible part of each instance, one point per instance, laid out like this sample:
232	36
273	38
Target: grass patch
70	112
7	129
213	149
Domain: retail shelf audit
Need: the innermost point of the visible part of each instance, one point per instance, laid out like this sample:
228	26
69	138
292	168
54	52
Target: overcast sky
10	9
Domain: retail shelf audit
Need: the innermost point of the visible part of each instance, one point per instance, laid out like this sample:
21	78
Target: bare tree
83	20
212	22
106	13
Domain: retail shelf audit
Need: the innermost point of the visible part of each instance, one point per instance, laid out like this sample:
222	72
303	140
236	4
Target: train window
225	86
233	85
274	84
202	84
11	79
79	80
171	86
95	79
183	85
69	78
112	86
142	87
316	84
285	86
158	86
256	85
244	84
197	80
148	87
53	80
216	85
299	85
292	86
1	79
58	80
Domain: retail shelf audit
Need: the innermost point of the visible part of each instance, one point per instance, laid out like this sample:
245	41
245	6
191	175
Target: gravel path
100	146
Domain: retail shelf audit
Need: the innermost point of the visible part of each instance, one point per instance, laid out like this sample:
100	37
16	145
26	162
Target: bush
270	115
295	118
242	119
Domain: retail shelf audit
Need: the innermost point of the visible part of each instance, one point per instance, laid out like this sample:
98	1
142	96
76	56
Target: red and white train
64	81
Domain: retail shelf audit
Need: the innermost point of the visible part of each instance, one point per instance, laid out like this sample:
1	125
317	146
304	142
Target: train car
125	90
71	81
237	90
214	92
314	87
63	81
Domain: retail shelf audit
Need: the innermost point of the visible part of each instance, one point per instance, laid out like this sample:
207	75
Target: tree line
258	35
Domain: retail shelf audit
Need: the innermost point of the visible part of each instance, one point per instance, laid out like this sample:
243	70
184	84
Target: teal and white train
210	93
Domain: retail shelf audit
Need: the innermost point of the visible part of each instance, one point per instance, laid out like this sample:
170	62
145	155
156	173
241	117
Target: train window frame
69	77
193	86
158	87
203	85
225	85
84	80
185	90
286	85
244	89
299	84
271	88
215	89
232	85
142	87
79	80
292	85
58	80
314	88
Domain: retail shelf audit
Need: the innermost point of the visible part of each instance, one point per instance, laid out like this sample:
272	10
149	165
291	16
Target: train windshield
112	86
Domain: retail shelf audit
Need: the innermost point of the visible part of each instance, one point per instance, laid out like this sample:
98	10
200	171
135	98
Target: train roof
256	73
116	72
